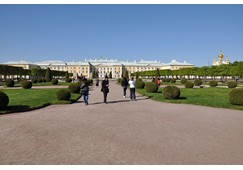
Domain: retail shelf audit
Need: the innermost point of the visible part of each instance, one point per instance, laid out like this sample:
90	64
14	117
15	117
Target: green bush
183	81
74	88
189	84
139	79
80	83
173	80
90	82
119	80
9	83
232	84
43	80
163	79
139	84
151	87
54	81
63	94
213	83
4	100
168	80
26	84
68	80
34	81
236	97
171	92
39	80
197	82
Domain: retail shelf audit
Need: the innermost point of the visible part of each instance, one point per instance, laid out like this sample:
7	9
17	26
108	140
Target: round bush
198	82
63	94
183	81
43	80
68	80
168	80
213	83
119	80
232	84
54	81
4	100
74	88
189	84
151	87
9	83
34	81
90	82
39	80
80	83
173	80
139	84
171	92
236	97
26	84
139	79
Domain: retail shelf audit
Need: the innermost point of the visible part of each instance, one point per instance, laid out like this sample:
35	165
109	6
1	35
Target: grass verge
28	99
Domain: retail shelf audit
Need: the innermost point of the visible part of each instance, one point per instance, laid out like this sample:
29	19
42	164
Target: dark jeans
124	90
132	94
105	97
86	98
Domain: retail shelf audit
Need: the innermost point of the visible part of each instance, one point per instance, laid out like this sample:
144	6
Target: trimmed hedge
236	97
232	84
139	84
68	80
90	82
189	84
213	83
167	80
171	92
74	88
151	87
183	81
9	83
4	100
39	80
54	81
173	80
26	84
34	81
80	83
63	94
43	80
198	82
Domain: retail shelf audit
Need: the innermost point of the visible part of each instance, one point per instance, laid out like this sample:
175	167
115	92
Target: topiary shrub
171	92
151	87
90	82
189	84
4	100
213	83
74	88
139	84
39	80
119	80
198	82
183	81
168	80
34	81
63	94
68	80
236	97
173	80
139	79
26	84
80	83
9	83
54	81
43	80
163	79
232	84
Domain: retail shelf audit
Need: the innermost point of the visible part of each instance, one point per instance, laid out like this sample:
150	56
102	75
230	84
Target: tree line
234	70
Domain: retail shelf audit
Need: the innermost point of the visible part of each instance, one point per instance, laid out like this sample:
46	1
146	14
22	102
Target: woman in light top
132	89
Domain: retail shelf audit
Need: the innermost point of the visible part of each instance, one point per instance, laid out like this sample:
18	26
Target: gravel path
122	132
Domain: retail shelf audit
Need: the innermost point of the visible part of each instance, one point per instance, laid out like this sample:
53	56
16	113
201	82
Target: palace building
220	60
102	66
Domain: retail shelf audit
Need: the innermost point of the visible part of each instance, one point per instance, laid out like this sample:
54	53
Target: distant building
102	66
220	60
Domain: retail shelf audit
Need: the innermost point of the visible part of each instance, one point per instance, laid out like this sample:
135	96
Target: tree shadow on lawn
15	109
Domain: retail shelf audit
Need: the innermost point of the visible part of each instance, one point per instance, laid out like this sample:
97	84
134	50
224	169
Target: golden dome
221	56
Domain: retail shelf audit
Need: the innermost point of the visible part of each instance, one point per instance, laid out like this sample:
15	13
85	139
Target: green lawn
41	84
27	99
214	97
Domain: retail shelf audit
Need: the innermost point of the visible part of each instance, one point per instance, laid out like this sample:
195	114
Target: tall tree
126	75
110	75
48	75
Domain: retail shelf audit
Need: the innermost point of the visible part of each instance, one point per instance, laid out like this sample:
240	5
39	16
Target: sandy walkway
122	132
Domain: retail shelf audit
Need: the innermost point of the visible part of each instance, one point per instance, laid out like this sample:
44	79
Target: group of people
105	89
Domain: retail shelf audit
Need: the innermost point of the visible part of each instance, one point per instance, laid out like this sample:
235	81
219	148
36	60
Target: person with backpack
85	91
105	88
124	84
132	89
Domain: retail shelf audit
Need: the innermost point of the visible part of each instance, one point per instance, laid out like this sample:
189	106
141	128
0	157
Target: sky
192	33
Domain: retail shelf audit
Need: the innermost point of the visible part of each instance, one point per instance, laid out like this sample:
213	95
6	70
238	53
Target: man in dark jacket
124	84
105	88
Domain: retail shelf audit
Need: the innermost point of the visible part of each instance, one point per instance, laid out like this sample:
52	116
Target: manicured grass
49	84
27	99
214	97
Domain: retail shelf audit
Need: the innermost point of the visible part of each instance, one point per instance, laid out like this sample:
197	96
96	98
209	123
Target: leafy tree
126	75
48	75
110	75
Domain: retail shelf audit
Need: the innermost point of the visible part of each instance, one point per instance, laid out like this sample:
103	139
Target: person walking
132	89
85	91
97	82
105	88
124	84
